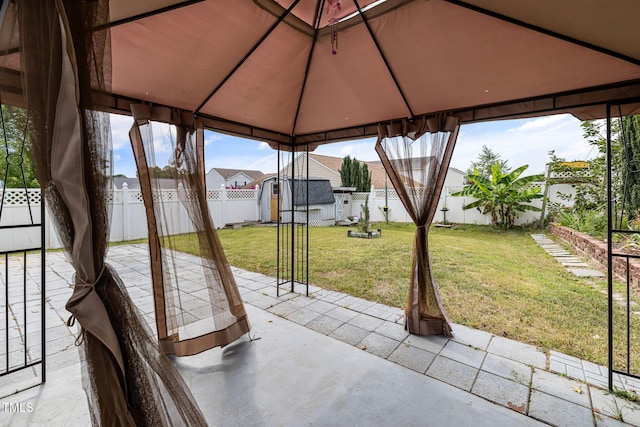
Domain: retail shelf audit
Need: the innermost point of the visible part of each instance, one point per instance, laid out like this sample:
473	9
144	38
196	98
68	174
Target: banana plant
503	195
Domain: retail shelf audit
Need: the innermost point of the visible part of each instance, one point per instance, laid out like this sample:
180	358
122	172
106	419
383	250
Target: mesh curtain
64	58
416	157
198	306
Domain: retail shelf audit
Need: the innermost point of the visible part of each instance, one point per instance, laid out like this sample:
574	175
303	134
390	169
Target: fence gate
22	262
623	193
340	213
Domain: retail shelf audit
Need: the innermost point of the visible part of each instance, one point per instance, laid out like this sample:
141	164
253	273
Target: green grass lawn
497	281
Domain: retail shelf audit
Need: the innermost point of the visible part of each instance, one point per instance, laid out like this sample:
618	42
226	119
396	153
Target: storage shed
321	201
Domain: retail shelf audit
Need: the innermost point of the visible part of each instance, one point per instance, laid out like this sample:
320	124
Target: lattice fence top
18	196
359	196
241	194
136	196
390	193
570	176
214	194
115	196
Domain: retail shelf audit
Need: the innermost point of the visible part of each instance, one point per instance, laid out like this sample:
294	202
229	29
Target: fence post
256	193
125	211
223	203
374	204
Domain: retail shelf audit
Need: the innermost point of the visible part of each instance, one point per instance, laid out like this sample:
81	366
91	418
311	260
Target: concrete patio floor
328	359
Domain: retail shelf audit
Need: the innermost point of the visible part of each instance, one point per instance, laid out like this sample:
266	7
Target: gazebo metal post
293	229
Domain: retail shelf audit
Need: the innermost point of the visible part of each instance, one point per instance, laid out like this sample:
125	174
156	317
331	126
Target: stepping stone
586	272
575	264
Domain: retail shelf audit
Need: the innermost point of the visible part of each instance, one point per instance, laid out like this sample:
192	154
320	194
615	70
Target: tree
486	159
345	170
167	172
354	174
504	195
16	170
630	176
365	181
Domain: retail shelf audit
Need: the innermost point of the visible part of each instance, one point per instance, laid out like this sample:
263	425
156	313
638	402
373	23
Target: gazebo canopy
265	69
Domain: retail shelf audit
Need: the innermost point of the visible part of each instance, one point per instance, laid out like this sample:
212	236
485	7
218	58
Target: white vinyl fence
455	214
227	206
128	220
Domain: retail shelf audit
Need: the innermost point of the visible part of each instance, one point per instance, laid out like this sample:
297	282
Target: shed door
275	198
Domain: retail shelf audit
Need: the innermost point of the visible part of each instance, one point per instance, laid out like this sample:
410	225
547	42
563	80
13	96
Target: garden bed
364	235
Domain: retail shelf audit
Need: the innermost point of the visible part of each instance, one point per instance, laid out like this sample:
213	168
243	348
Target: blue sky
520	142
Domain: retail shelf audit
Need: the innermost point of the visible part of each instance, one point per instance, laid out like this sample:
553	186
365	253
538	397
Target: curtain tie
80	338
83	283
72	319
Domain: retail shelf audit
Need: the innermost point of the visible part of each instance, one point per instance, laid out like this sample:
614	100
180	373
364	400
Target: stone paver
379	345
507	368
433	343
472	337
463	353
392	330
611	406
502	391
349	334
303	316
412	358
324	324
561	387
586	272
573	264
452	372
558	412
510	374
515	350
366	322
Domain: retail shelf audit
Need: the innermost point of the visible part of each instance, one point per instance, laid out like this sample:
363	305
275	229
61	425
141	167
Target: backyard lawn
497	281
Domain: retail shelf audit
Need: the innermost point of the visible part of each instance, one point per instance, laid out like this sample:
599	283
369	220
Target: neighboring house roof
228	173
334	163
458	171
134	183
258	181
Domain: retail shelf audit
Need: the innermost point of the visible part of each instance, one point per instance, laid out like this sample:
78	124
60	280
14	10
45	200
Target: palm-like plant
503	196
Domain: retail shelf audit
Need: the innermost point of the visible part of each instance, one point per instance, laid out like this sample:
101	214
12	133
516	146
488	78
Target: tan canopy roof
265	69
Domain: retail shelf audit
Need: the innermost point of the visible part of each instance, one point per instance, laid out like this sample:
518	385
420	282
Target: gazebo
295	74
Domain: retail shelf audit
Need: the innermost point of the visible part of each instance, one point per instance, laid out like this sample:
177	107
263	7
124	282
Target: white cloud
120	126
527	143
363	149
211	137
541	122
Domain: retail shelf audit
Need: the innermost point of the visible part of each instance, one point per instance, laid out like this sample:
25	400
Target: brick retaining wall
596	250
